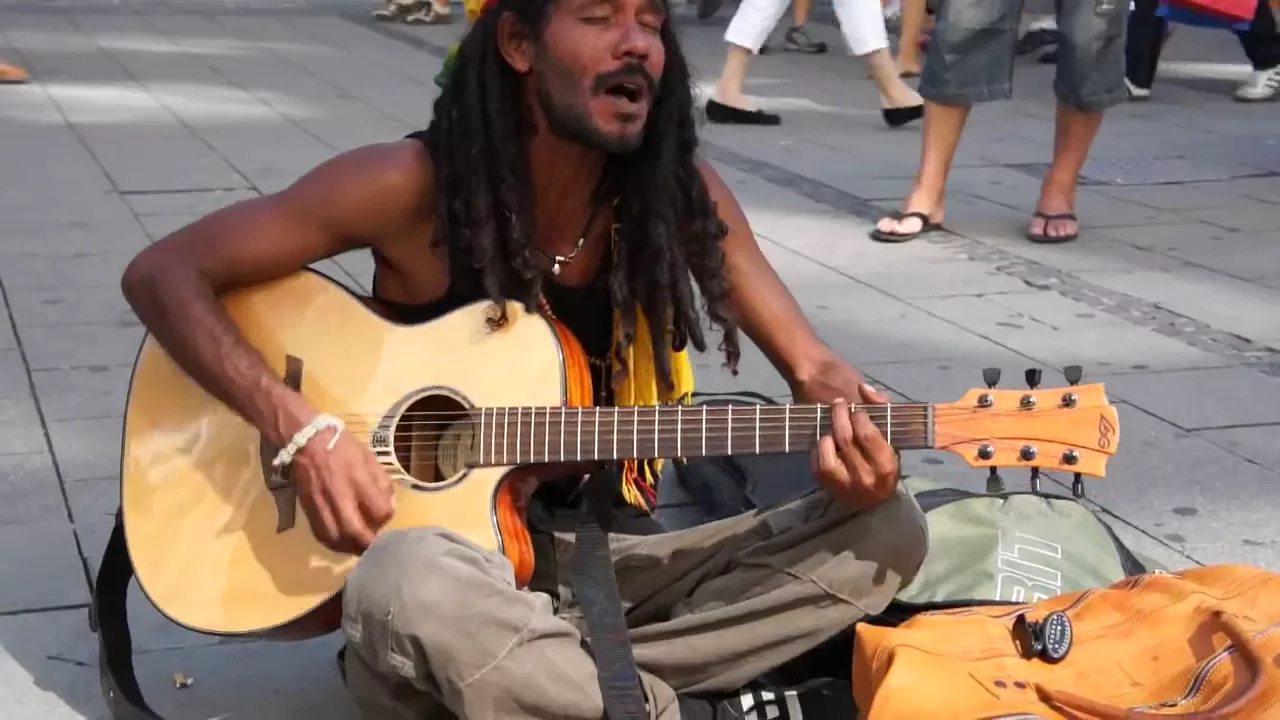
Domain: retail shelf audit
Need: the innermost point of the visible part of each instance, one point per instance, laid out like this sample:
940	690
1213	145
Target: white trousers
861	24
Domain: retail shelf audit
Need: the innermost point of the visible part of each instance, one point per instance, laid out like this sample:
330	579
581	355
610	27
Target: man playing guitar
560	171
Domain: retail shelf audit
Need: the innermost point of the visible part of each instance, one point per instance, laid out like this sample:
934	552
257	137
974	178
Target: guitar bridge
277	481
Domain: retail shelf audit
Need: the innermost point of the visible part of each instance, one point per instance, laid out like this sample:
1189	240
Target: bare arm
362	198
763	306
854	462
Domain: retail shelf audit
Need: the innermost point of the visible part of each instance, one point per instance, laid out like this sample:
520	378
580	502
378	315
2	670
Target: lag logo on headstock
1105	431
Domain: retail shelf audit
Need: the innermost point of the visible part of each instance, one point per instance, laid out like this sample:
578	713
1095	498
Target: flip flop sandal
1047	239
926	226
392	12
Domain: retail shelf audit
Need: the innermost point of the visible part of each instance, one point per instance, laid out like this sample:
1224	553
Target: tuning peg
995	483
1073	373
991	376
1032	376
1035	480
1077	486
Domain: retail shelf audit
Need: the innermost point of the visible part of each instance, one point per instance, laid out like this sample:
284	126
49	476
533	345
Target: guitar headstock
1074	429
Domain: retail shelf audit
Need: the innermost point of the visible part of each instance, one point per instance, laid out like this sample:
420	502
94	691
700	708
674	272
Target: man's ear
515	42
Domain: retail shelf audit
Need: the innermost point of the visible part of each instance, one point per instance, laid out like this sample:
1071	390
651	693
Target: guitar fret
728	429
704	430
786	428
656	453
635	431
563	413
579	455
596	432
615	432
679	433
518	431
506	425
888	423
757	429
817	423
481	436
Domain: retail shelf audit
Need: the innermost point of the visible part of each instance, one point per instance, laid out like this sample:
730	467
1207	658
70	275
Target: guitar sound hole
433	439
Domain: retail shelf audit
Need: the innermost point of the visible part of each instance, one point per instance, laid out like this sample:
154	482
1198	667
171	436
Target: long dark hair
667	226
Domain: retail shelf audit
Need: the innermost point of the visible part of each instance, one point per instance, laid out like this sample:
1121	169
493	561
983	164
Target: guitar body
218	540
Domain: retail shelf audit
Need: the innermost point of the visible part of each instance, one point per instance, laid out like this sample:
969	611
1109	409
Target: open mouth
629	92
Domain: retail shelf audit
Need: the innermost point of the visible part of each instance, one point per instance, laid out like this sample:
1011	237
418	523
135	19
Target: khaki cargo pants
436	627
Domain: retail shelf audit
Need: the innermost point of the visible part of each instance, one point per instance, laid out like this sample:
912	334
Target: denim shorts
970	58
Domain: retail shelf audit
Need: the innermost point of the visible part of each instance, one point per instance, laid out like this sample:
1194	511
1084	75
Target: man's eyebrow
657	7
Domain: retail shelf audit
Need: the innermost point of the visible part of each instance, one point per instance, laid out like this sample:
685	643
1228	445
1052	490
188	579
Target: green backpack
1010	547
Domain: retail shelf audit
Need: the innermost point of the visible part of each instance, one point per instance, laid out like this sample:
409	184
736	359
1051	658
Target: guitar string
774	410
538	415
519	456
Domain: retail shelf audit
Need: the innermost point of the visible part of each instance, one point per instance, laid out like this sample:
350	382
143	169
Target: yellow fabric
640	385
472	9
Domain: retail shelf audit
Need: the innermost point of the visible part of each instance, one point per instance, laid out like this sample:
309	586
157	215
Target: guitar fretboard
526	435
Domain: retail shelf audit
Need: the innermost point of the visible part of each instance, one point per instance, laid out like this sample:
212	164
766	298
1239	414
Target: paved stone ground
151	112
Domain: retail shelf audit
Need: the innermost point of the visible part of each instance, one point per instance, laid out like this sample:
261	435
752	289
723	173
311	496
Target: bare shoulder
371	194
368	197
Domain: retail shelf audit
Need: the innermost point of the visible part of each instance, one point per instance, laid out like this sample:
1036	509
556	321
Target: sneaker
821	699
1135	92
797	40
1262	85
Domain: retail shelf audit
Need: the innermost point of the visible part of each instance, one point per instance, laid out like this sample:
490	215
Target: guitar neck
527	435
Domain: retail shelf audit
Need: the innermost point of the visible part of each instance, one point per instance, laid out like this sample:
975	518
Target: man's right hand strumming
345	492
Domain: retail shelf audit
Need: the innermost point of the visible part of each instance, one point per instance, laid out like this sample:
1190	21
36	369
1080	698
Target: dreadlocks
667	227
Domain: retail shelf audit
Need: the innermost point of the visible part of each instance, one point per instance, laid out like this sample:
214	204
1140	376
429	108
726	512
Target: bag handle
1250	651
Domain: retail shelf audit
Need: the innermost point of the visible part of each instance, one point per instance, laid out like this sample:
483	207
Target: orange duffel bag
1202	643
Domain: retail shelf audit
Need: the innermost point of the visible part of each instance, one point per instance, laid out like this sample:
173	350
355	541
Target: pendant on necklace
555	266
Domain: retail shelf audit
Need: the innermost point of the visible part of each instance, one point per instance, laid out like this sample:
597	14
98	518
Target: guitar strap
109	618
596	587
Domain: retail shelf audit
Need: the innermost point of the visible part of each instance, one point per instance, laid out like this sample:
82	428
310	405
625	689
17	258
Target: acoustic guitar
453	409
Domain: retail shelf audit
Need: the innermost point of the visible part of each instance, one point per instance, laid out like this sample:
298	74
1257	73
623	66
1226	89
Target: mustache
626	73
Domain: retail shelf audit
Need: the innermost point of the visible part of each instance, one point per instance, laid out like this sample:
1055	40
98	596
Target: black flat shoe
897	117
721	114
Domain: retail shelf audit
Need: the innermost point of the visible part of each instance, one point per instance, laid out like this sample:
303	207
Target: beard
572	120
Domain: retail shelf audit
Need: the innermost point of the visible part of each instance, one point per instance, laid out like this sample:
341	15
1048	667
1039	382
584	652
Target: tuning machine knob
991	376
1073	374
1033	376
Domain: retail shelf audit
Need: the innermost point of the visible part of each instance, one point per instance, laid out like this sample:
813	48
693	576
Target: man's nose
635	42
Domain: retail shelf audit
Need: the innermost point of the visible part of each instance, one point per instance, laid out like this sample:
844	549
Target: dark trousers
1261	42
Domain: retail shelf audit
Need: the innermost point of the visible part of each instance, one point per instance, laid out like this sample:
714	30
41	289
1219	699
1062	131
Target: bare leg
942	127
747	32
862	25
894	93
913	15
800	10
732	77
1073	135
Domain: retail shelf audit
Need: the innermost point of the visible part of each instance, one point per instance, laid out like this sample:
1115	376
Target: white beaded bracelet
300	439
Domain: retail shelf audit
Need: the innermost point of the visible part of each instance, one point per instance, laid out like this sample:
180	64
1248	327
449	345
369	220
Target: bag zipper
1197	681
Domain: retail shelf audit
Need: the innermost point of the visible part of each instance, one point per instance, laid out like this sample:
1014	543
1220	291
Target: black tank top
587	312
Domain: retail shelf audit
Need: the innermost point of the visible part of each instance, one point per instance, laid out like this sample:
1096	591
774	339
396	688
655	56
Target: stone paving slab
149	113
